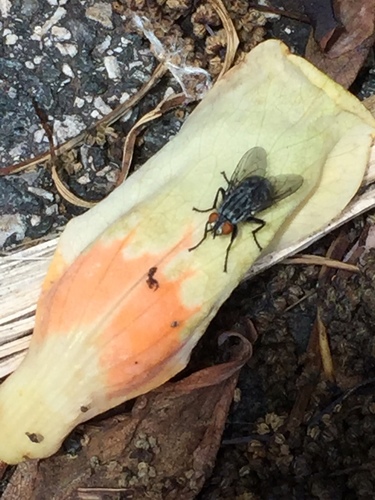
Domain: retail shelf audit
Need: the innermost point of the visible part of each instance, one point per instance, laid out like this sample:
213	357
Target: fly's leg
232	238
261	223
226	178
220	191
206	231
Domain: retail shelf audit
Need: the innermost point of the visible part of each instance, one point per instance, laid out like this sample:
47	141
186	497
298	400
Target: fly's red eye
213	217
227	228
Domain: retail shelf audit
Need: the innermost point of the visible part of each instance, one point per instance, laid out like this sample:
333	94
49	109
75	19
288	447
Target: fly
248	193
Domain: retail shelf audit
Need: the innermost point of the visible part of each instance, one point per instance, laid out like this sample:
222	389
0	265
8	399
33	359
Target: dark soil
328	451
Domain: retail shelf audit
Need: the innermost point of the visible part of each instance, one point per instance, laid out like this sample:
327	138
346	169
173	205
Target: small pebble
67	70
101	13
67	49
11	39
112	67
60	33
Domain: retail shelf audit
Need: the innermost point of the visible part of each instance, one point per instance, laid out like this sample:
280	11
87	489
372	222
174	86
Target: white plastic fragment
173	59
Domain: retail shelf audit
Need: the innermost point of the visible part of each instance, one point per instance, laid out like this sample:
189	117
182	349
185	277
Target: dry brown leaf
22	481
323	19
343	69
358	18
163	450
349	52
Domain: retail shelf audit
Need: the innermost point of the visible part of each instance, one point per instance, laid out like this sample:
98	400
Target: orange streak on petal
104	300
83	292
145	334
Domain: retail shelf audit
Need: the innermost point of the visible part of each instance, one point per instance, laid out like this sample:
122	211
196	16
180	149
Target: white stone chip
112	66
102	47
39	136
35	220
124	41
124	97
12	92
11	39
101	106
60	33
67	70
71	126
40	31
53	209
42	193
79	102
84	179
67	49
5	7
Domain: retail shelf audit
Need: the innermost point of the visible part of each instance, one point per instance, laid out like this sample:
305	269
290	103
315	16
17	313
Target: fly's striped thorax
246	199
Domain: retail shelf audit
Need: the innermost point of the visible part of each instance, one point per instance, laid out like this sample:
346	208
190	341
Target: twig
319	260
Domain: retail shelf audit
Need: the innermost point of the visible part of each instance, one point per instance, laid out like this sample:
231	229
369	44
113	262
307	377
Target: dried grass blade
165	105
232	38
67	194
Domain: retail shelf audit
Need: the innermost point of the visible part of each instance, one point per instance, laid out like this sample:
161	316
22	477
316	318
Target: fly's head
219	226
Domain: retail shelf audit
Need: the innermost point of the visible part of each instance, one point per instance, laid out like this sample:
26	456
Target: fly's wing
285	185
253	162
